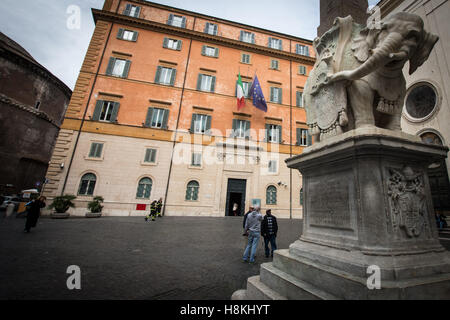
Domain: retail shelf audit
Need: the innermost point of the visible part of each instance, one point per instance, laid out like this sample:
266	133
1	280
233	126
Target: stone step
344	285
336	282
289	286
256	290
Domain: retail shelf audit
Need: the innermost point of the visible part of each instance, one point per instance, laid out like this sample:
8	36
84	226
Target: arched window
144	188
192	191
271	195
301	196
87	185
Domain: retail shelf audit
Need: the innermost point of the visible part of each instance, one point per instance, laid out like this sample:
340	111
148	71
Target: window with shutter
245	58
241	128
106	112
248	37
159	118
302	49
87	184
196	160
172	44
177	21
211	28
274	64
192	191
302	70
299	99
200	123
132	11
144	188
271	195
273	166
118	67
165	75
273	133
275	43
302	138
150	156
127	35
206	83
96	150
275	95
210	51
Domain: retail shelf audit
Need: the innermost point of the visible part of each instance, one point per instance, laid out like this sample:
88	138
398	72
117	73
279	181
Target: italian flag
240	93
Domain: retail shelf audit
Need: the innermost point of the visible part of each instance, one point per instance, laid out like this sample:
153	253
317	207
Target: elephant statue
358	78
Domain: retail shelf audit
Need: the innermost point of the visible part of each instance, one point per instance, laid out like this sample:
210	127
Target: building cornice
220	20
36	69
199	36
16	104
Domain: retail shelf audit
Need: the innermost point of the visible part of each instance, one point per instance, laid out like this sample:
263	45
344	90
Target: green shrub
95	205
62	203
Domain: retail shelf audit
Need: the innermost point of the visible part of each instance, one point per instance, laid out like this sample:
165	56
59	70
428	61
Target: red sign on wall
141	207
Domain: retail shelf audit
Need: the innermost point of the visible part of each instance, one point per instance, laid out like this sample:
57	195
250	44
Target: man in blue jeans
253	228
269	229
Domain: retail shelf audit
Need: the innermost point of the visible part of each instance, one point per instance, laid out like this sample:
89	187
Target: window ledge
93	159
149	164
195	167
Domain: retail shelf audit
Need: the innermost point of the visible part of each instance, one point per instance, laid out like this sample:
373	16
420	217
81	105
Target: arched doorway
438	177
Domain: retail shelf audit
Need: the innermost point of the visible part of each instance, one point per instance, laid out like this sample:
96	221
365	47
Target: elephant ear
423	51
364	43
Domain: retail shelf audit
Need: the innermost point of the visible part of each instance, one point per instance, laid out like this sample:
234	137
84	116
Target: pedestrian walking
33	212
269	229
153	211
159	208
253	228
235	209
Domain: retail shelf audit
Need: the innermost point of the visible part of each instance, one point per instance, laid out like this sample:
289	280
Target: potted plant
95	207
61	204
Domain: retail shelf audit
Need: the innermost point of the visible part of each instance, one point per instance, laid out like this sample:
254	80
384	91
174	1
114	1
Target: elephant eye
413	35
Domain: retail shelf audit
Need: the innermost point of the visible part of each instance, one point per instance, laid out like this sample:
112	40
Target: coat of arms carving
407	201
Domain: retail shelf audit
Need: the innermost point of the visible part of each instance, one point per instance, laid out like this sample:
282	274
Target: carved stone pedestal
368	203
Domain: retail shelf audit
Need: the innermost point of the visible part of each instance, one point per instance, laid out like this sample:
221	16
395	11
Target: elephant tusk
398	56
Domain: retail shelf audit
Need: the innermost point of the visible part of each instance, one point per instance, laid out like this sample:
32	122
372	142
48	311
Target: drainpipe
178	122
290	132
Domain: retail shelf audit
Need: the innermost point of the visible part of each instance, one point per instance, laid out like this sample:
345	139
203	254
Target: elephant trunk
380	57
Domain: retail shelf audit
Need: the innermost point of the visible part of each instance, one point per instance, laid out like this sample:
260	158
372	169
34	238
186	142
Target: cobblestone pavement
174	258
127	258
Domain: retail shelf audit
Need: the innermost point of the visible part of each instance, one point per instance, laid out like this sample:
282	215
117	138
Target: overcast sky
40	26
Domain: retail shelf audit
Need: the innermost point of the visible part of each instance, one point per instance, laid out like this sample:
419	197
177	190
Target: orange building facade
154	115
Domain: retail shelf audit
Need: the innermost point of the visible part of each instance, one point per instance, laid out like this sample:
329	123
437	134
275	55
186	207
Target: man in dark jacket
34	211
269	229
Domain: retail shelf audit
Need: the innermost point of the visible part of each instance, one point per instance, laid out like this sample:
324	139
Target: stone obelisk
331	9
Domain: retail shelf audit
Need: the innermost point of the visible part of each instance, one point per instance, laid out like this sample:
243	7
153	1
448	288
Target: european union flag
257	95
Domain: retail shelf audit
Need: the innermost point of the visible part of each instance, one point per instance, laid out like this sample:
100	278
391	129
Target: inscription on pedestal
328	204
